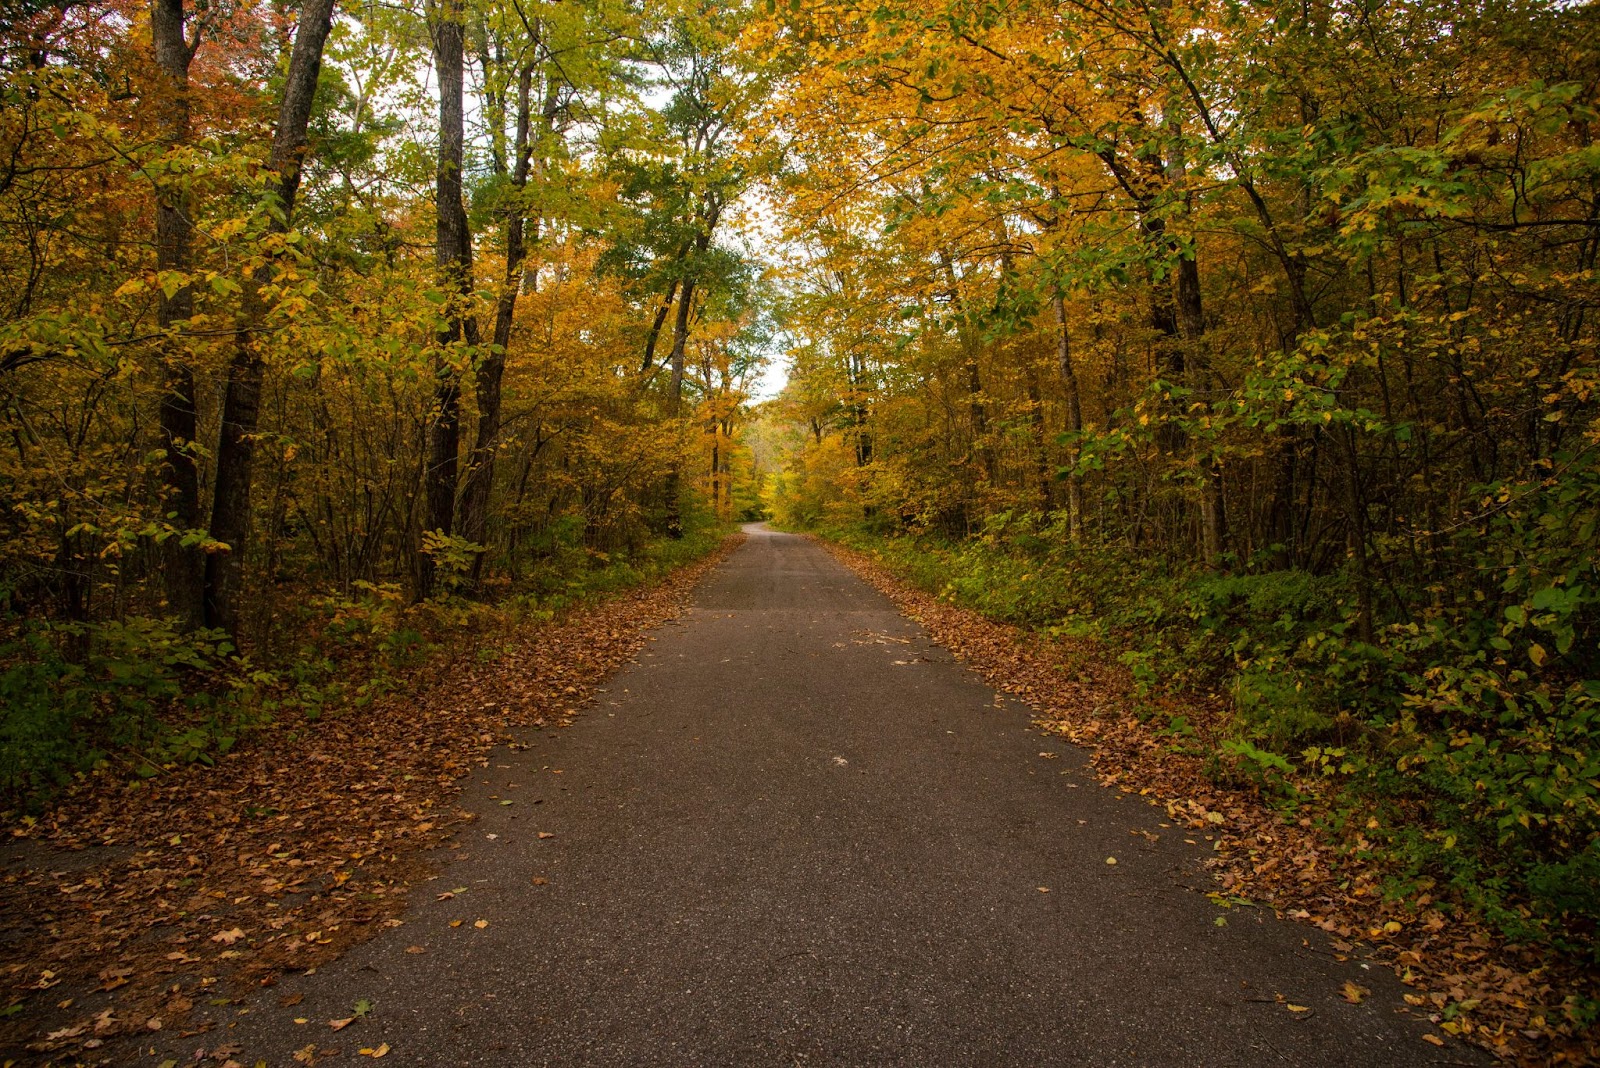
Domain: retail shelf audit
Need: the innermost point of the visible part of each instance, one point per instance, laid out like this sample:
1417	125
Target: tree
241	406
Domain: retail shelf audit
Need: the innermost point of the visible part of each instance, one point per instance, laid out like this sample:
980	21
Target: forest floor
132	907
1466	978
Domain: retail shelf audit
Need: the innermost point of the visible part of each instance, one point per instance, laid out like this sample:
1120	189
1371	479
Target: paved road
796	833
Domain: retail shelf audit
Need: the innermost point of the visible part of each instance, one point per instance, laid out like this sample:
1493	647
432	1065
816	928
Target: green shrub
137	685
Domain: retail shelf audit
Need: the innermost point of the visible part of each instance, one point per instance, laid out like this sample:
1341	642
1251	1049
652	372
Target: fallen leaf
455	923
1354	993
415	949
381	1051
340	1025
228	938
111	978
1042	889
306	1054
1292	1007
1111	860
539	880
480	924
289	1000
1435	1039
546	834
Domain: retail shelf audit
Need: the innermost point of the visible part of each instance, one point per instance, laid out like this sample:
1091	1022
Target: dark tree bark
453	255
708	214
859	414
1069	382
680	340
241	405
491	369
654	337
178	419
971	347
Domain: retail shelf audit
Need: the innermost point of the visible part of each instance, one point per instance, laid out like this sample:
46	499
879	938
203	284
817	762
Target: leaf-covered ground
130	903
1512	1000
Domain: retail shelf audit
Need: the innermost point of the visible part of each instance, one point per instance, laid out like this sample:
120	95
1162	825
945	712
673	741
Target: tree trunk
1356	513
1191	323
859	417
654	336
971	348
184	564
453	255
716	468
1069	380
491	369
979	413
241	406
680	340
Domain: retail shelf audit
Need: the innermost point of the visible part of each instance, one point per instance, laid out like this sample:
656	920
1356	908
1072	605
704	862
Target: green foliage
72	695
452	557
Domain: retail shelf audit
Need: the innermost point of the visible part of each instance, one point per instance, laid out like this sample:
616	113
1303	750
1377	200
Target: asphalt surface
796	833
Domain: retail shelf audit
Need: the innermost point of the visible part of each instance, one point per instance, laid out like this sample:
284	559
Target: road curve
796	833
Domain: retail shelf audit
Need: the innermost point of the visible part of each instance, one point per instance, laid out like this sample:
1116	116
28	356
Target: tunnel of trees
1252	340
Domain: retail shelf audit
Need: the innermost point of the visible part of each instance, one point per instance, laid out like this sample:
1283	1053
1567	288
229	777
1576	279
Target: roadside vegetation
133	699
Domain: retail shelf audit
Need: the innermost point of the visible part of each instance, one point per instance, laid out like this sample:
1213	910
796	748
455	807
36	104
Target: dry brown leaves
1470	982
131	902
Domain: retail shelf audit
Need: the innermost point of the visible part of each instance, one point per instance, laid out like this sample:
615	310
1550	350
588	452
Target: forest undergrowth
137	697
1317	819
131	900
